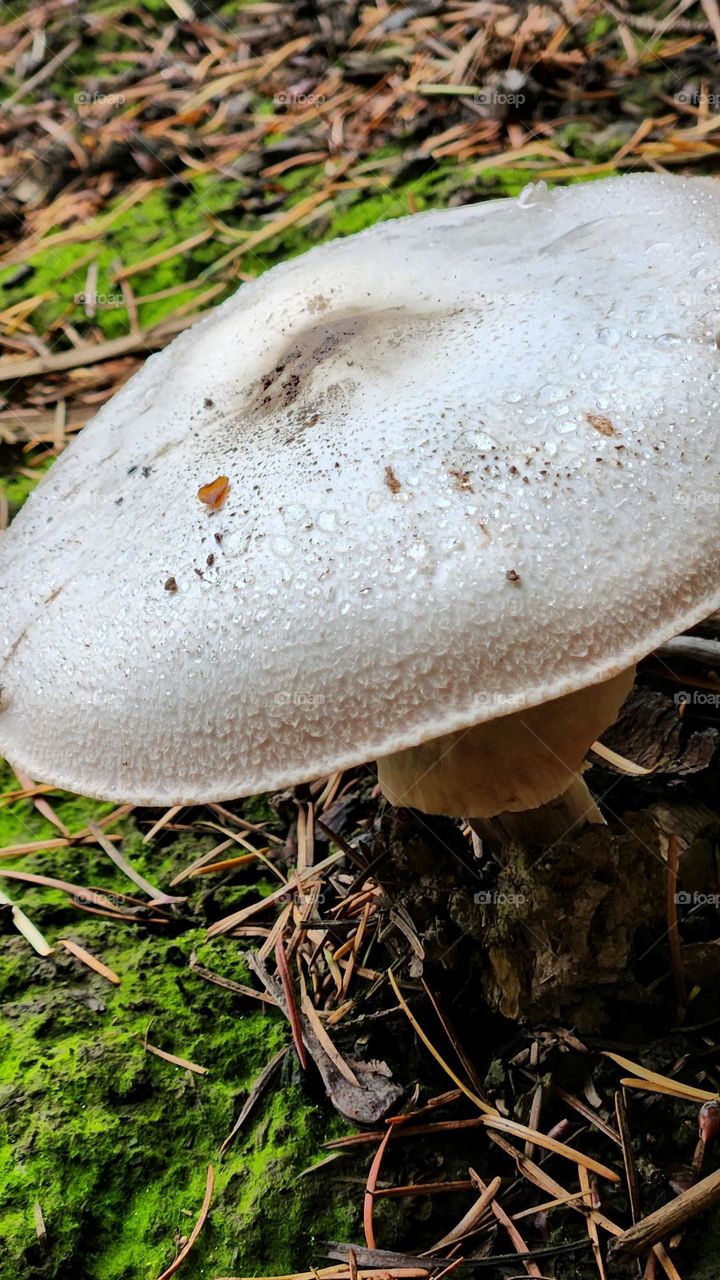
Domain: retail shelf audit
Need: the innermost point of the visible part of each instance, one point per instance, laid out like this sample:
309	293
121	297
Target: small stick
649	1231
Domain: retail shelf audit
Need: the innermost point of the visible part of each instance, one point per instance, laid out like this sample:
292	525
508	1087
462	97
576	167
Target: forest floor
154	157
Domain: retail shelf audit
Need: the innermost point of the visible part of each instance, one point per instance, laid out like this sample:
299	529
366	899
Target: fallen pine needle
620	762
254	1095
505	1125
332	1052
661	1084
409	1131
155	895
666	1262
25	926
517	1240
173	1058
471	1221
227	864
292	1010
369	1201
484	1106
161	822
40	804
682	1091
339	1273
592	1227
170	1271
43	846
91	961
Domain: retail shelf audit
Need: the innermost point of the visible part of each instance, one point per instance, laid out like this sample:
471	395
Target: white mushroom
465	456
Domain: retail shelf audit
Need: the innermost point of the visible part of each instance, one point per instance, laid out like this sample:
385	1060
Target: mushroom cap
473	465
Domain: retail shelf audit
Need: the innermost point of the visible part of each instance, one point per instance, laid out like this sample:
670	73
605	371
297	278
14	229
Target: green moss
17	486
155	224
113	1142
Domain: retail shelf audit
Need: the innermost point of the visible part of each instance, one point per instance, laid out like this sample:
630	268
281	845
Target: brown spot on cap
171	584
599	423
461	479
512	576
392	481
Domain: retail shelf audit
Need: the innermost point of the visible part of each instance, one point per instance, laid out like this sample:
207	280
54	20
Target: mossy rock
114	1143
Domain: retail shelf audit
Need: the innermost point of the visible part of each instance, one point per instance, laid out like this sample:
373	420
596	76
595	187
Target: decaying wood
640	1237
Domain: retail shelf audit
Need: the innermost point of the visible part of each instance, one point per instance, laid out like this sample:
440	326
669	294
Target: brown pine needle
484	1106
174	1059
661	1084
666	1262
43	846
155	895
289	993
369	1200
631	1177
470	1223
91	961
302	879
408	1131
423	1189
161	822
170	1271
42	806
341	1272
591	1222
226	864
504	1125
202	861
518	1243
332	1052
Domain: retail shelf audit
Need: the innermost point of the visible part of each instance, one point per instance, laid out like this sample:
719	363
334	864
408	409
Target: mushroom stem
545	825
512	764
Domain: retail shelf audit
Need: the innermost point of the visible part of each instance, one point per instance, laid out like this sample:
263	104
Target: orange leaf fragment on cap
214	493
